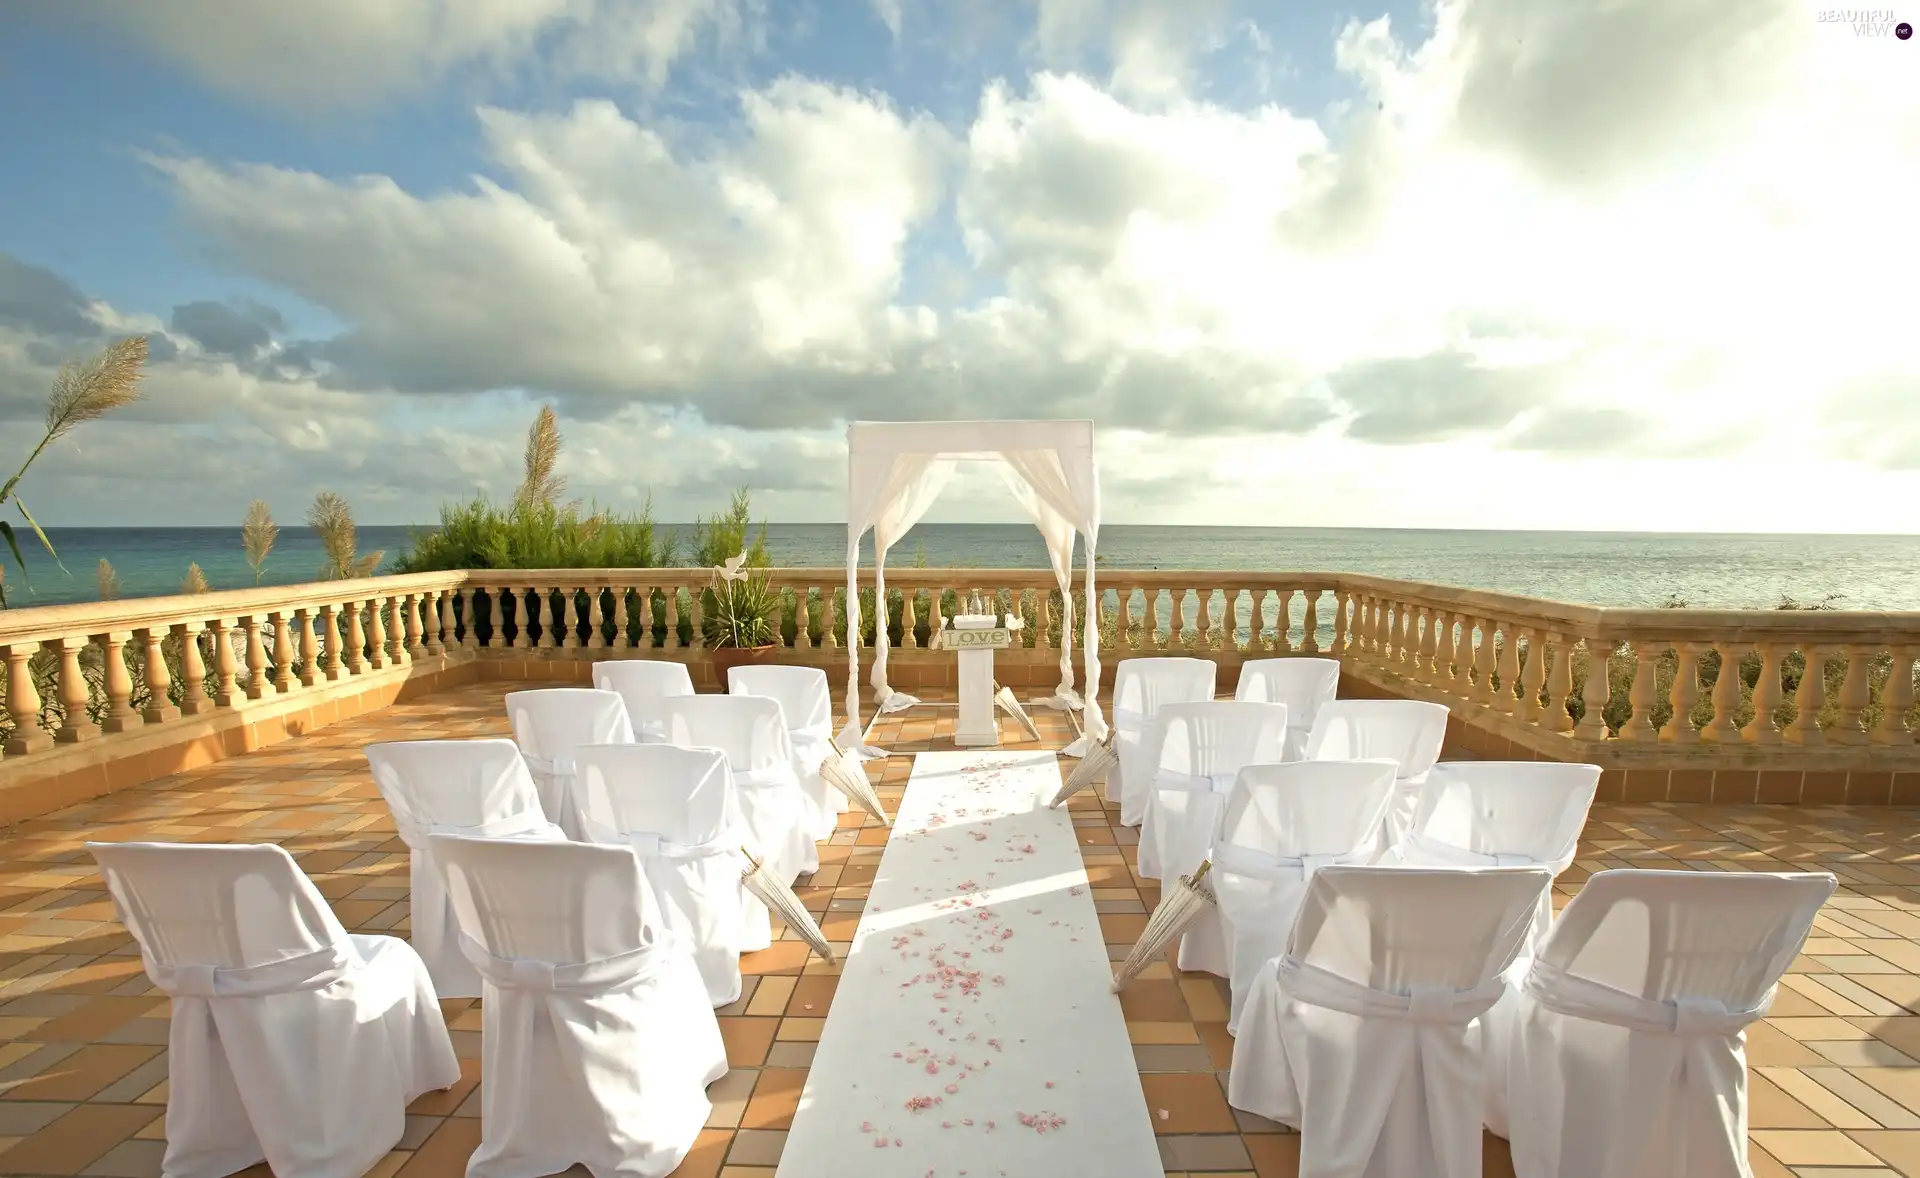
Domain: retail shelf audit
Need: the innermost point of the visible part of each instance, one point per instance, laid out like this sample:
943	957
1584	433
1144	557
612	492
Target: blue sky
1287	257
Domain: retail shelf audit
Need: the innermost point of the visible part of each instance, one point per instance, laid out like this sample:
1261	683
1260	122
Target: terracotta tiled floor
1836	1068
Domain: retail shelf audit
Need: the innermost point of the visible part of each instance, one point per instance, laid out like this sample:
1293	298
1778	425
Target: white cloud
1645	249
317	54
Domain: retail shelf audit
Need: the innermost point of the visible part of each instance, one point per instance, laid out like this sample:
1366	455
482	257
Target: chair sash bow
1198	783
307	971
615	973
1434	851
1577	997
525	824
1239	860
653	845
1430	1005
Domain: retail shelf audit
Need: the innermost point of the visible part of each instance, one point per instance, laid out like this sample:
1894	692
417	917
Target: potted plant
739	623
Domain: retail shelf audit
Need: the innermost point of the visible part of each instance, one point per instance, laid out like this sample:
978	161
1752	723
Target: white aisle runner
972	1032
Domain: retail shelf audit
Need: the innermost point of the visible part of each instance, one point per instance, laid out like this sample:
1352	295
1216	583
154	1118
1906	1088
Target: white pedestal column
977	724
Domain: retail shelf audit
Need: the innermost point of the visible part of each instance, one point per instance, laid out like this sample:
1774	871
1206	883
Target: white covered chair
473	787
676	808
806	701
1283	823
641	685
1410	731
1196	751
752	732
1357	1035
1625	1042
1501	814
1305	685
548	724
291	1042
598	1041
1140	688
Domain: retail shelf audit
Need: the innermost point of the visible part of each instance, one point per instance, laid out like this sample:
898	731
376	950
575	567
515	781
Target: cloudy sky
1642	264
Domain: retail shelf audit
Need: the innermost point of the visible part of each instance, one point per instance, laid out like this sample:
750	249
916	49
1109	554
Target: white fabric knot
1435	851
307	971
1584	998
1198	783
619	972
773	775
1239	860
653	845
1432	1005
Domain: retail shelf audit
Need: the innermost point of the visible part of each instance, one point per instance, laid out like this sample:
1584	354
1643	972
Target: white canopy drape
895	470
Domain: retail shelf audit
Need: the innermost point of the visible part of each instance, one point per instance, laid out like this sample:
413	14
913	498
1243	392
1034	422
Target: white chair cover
1358	1034
548	724
752	732
641	685
473	787
1626	1038
1140	688
1304	685
1411	732
1283	823
1197	750
291	1041
676	807
598	1042
806	701
1501	814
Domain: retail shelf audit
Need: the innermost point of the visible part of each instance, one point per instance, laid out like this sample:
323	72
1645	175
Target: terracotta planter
725	658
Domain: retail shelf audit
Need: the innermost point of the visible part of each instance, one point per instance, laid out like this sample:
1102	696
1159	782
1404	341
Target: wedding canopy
895	470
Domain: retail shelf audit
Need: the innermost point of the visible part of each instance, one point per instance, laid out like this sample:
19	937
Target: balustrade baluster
1596	692
376	633
1812	697
1854	697
1641	696
1763	728
1507	670
471	639
335	668
282	653
673	618
446	633
909	639
23	703
803	617
414	644
396	623
1724	728
194	700
358	661
77	726
1684	694
569	617
622	640
1310	625
696	620
1483	660
310	672
1341	599
545	619
116	682
257	682
1560	685
828	610
160	707
1896	700
1533	677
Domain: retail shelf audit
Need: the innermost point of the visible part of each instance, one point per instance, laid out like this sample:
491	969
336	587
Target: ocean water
1601	568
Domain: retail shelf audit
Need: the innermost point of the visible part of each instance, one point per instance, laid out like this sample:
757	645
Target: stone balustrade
1633	689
